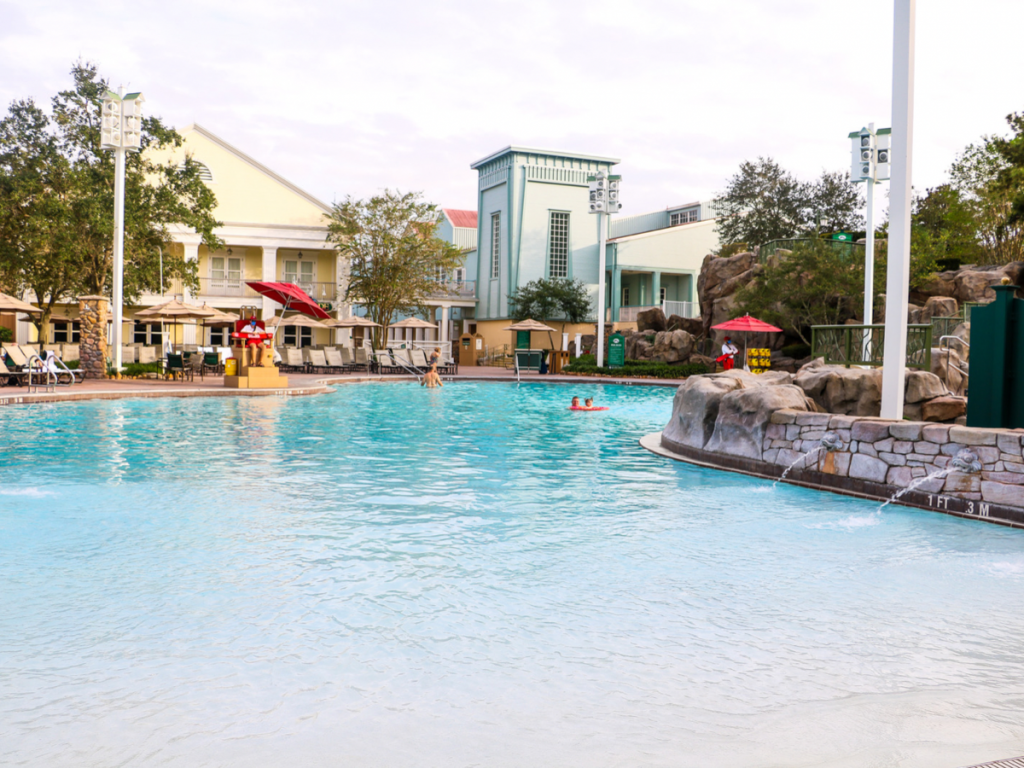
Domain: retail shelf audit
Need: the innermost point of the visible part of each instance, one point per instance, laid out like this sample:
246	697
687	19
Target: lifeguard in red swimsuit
728	356
253	334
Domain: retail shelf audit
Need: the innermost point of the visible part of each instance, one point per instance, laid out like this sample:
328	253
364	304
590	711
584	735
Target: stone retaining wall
898	453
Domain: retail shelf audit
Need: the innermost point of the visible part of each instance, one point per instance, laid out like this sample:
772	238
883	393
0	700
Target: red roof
461	218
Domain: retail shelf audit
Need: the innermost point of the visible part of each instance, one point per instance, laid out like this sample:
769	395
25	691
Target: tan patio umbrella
413	322
176	311
11	304
218	319
302	321
353	322
531	325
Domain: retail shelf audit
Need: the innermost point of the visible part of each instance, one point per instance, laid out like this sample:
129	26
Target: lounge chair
361	359
293	360
383	362
212	363
69	353
128	355
197	362
419	359
402	360
335	360
147	354
11	378
317	361
19	355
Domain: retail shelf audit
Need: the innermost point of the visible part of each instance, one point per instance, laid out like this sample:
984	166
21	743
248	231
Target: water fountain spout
965	461
830	442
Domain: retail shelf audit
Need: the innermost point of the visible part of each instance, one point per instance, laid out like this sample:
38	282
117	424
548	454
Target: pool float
584	408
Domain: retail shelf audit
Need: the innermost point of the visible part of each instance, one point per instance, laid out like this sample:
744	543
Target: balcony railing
224	288
463	289
863	345
681	308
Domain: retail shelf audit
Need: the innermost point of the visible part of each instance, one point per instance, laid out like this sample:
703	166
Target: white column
188	330
444	323
191	254
897	284
601	235
269	273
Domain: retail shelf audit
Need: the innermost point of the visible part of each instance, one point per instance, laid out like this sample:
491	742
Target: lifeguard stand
249	376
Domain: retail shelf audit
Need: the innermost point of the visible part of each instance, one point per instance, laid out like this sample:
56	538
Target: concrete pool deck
299	384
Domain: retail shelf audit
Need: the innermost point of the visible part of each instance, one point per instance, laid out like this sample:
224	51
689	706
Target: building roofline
538	151
257	165
660	230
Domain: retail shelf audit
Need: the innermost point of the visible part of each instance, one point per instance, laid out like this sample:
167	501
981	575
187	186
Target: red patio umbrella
291	296
747	324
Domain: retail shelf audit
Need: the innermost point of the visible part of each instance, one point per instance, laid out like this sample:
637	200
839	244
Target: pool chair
19	355
403	361
128	355
197	362
335	360
384	363
292	360
11	378
360	359
419	359
69	353
316	360
147	355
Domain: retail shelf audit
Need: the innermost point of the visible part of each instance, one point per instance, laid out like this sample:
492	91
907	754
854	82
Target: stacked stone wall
900	453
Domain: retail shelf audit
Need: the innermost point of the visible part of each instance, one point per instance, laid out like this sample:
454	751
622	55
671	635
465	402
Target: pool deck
298	385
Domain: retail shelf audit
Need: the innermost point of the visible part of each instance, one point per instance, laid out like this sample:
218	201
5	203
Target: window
495	245
558	244
625	295
301	273
225	271
661	295
66	333
220	336
459	275
296	336
147	333
684	217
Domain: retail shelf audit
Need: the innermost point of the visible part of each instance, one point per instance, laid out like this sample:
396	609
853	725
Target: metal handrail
50	385
413	371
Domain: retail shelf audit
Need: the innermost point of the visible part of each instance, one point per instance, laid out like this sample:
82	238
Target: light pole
897	282
604	199
120	131
871	156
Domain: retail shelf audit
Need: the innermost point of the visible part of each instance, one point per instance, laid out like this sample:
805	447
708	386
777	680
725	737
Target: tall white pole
869	251
601	247
897	284
118	292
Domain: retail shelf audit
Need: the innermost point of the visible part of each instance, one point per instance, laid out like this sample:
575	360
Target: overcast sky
346	98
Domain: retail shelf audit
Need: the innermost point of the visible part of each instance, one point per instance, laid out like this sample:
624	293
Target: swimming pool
475	576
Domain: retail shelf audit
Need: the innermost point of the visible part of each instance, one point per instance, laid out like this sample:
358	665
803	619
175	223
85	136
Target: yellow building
272	230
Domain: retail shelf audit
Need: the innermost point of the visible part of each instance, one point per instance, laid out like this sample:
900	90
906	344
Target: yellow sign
759	360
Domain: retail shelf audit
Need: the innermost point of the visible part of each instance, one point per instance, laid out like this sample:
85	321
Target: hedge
587	365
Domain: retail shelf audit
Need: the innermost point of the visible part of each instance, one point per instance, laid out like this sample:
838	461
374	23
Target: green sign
616	350
844	236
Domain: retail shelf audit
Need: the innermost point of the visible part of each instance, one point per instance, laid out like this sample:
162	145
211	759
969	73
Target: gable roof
257	165
460	218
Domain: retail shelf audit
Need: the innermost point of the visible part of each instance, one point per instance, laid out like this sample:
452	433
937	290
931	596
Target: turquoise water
475	576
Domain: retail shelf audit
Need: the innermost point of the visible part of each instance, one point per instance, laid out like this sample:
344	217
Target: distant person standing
728	356
431	379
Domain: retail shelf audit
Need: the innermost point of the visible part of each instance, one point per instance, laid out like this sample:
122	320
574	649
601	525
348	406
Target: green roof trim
128	96
111	95
883	131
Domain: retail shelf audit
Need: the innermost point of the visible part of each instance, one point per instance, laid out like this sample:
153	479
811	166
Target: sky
348	98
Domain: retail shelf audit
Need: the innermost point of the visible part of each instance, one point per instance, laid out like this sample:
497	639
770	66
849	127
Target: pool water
393	576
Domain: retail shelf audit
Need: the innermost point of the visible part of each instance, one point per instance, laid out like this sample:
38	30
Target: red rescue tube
592	408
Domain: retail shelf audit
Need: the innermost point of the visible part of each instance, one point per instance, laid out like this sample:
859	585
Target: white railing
681	308
628	314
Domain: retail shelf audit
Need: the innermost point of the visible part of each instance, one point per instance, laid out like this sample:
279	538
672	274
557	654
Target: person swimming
575	403
589	402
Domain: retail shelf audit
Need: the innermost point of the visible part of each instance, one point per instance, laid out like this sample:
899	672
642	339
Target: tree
764	202
977	176
944	227
57	201
551	300
815	284
394	258
1010	178
835	203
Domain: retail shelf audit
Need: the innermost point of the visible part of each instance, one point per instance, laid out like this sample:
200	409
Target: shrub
5	334
139	369
587	365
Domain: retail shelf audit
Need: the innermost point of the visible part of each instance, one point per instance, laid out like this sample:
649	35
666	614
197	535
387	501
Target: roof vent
204	170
